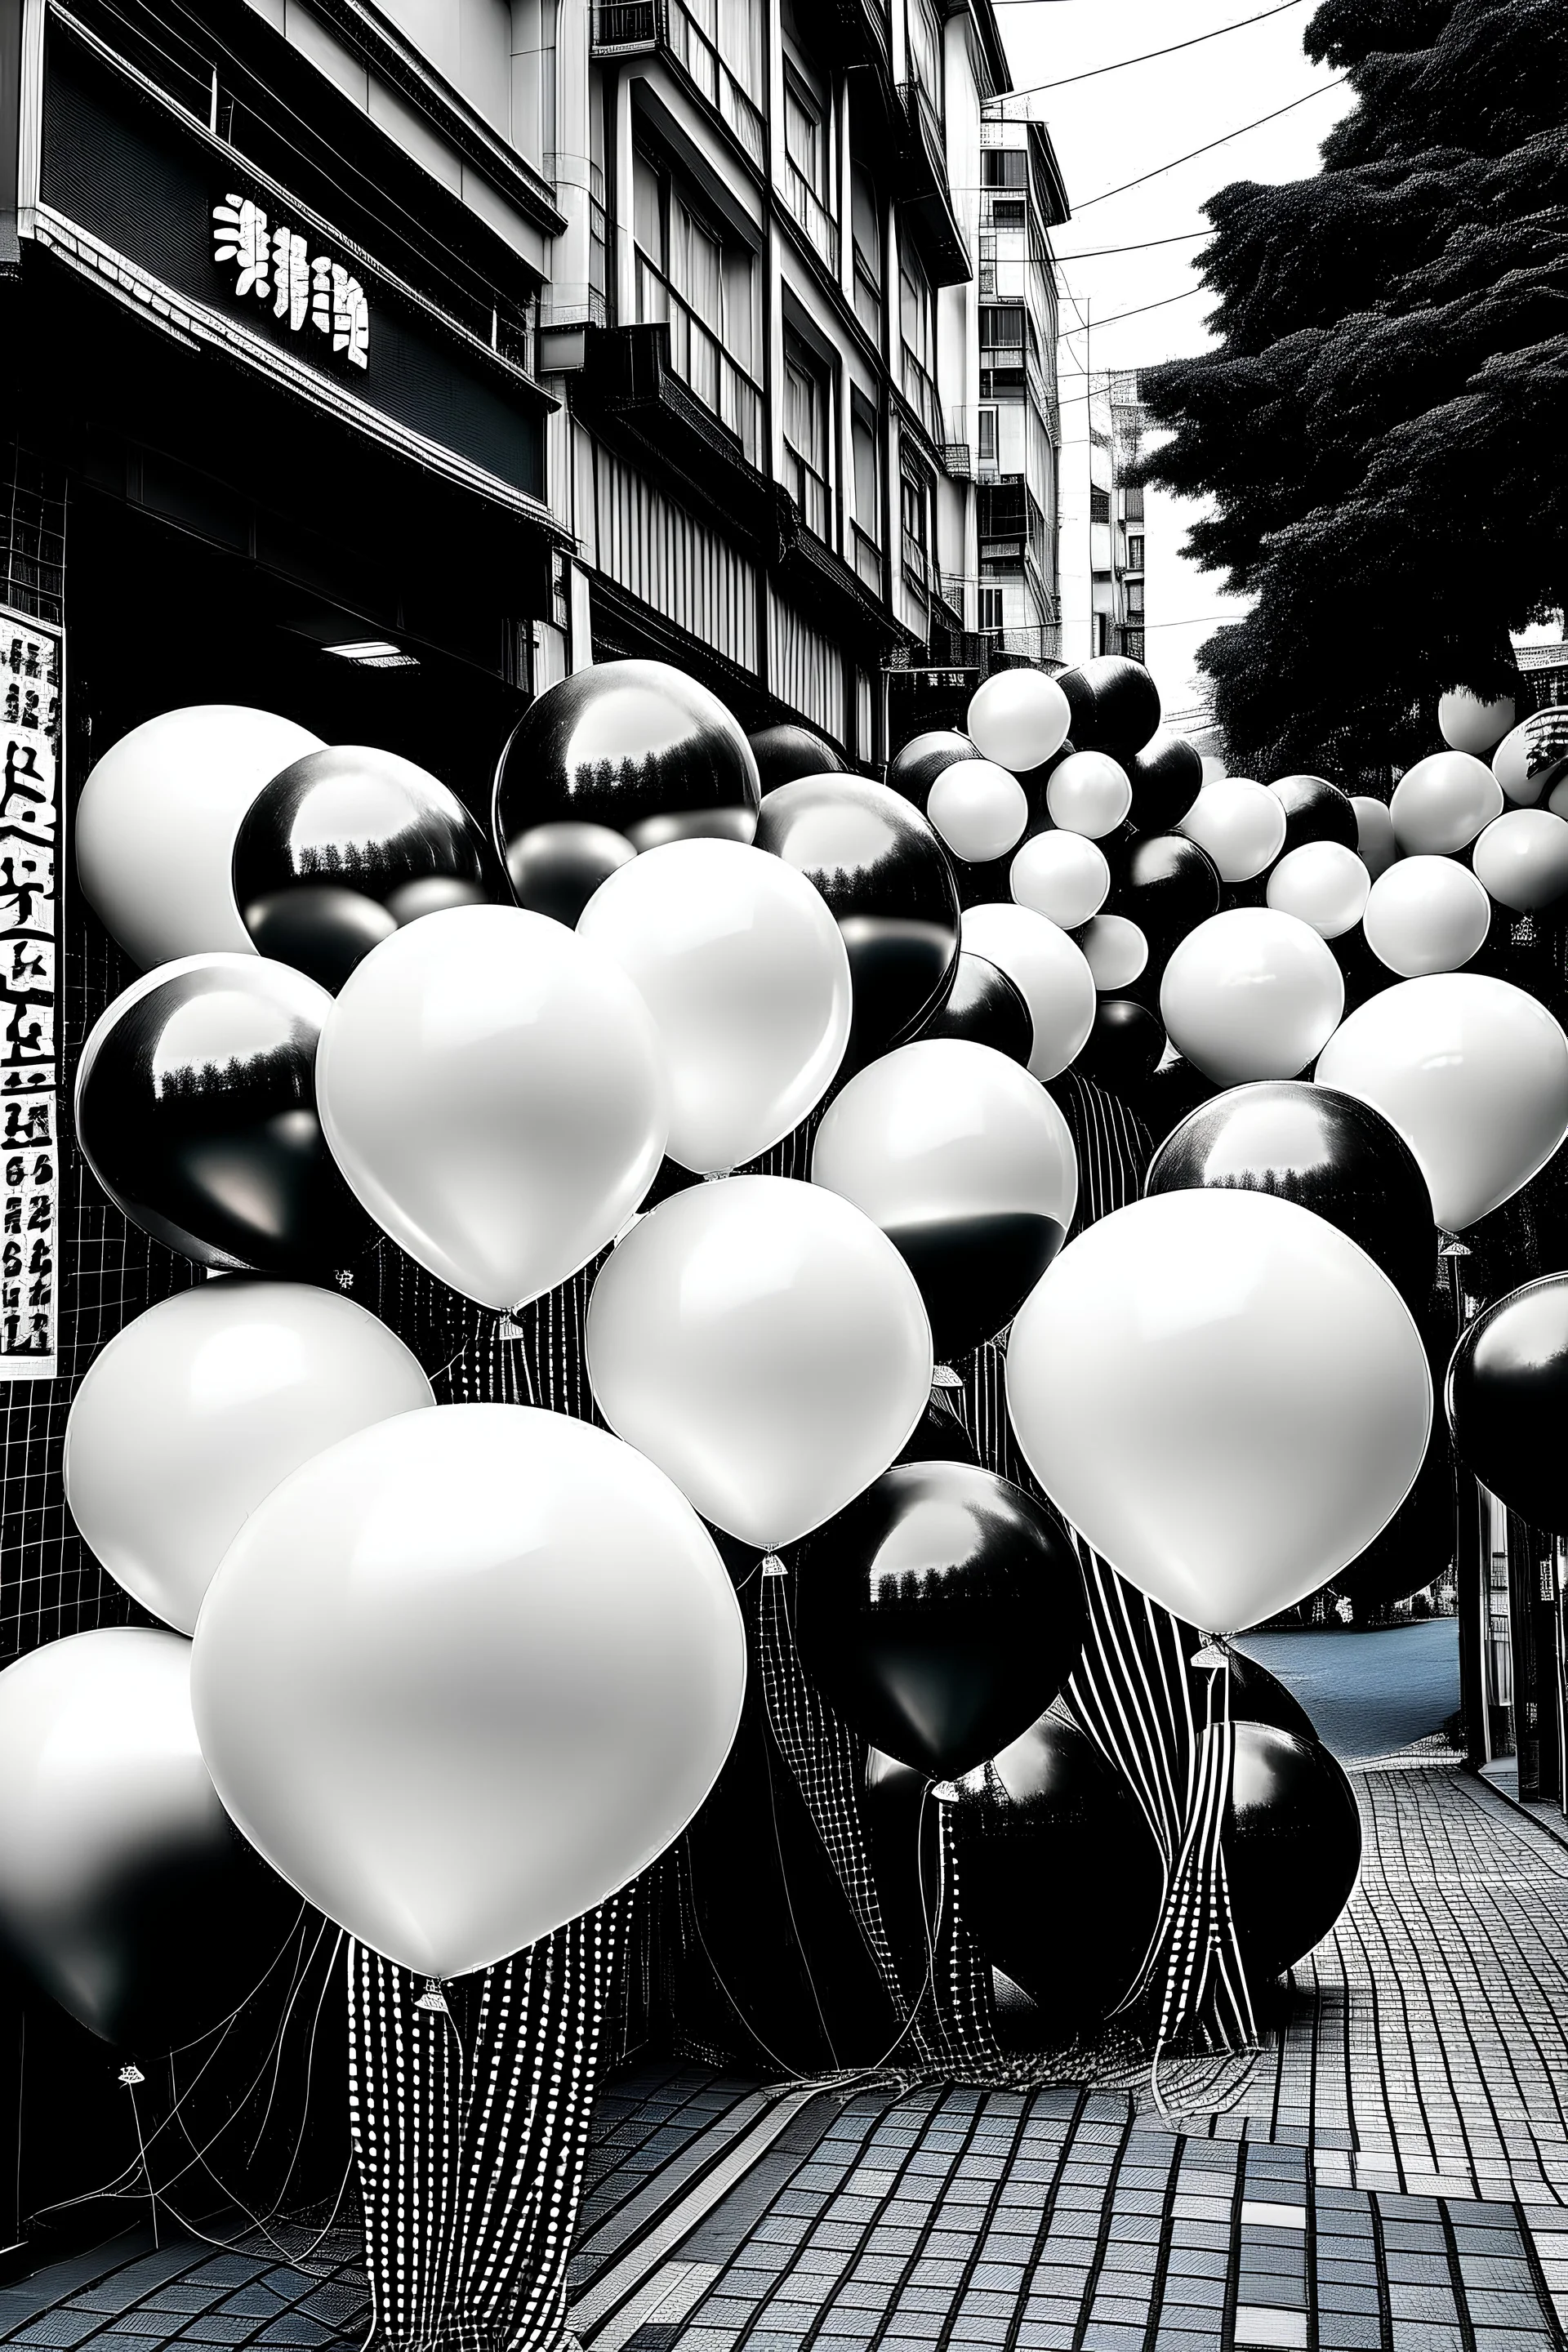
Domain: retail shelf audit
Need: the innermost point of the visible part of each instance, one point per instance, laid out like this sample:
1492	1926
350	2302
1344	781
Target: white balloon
1062	876
1240	824
1557	802
1049	972
979	809
1466	723
156	824
1018	718
1214	770
745	972
764	1344
1091	792
495	1094
1426	914
1532	760
1441	803
1224	1395
464	1674
1324	884
199	1407
945	1128
1522	859
1252	993
1474	1075
1115	951
1375	844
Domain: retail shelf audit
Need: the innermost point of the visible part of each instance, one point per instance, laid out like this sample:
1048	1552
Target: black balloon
554	869
1165	883
941	1612
1417	1546
1060	1878
939	1435
1258	1697
1124	1045
1326	1152
1166	776
1506	1399
912	771
629	747
344	846
1292	1846
890	889
1114	702
986	1008
1315	809
195	1111
782	753
974	1268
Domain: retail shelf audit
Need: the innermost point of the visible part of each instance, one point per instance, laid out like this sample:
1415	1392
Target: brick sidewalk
1390	2174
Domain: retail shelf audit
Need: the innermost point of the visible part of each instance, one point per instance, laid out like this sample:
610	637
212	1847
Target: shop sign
29	1000
272	264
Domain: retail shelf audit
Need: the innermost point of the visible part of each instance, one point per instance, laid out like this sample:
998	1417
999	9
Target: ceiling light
375	653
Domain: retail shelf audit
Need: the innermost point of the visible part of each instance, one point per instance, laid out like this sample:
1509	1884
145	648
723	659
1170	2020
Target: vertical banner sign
29	998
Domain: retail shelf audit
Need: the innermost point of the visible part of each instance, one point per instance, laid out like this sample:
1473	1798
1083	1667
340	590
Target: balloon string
1197	1886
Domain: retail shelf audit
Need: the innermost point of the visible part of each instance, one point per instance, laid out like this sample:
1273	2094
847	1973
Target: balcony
810	214
845	598
623	29
668	385
855	33
921	392
923	188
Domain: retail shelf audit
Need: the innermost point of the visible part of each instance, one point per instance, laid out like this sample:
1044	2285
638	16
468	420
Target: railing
867	558
920	393
620	28
806	208
700	362
694	52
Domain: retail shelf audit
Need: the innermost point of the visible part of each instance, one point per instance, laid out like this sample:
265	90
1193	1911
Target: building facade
1102	559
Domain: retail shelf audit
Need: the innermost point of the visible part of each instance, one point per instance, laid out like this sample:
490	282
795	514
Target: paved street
1389	2174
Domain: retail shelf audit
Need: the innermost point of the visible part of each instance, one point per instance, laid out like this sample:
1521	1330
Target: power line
1116	316
1098	252
1208	147
1033	89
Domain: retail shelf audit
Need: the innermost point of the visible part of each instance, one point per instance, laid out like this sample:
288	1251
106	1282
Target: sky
1113	128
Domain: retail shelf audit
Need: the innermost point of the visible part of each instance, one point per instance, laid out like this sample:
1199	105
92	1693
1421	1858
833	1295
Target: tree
1382	431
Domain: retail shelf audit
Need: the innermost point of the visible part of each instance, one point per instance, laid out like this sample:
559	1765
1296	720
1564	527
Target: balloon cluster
458	1672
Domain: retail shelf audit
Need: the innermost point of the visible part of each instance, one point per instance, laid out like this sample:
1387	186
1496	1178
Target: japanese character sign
29	943
273	266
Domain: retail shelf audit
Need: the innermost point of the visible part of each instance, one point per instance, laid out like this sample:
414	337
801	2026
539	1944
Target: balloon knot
946	1792
343	1278
433	1998
1213	1653
944	1377
509	1329
773	1565
1452	1246
131	2076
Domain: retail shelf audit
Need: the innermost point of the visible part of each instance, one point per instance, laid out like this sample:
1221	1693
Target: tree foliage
1381	434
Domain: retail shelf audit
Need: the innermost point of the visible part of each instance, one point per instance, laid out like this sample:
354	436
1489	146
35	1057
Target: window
865	223
647	236
867	499
803	143
1099	504
985	437
1133	644
703	288
1002	324
1004	167
923	29
805	435
1135	600
1132	504
914	511
1007	213
988	608
1135	551
915	308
